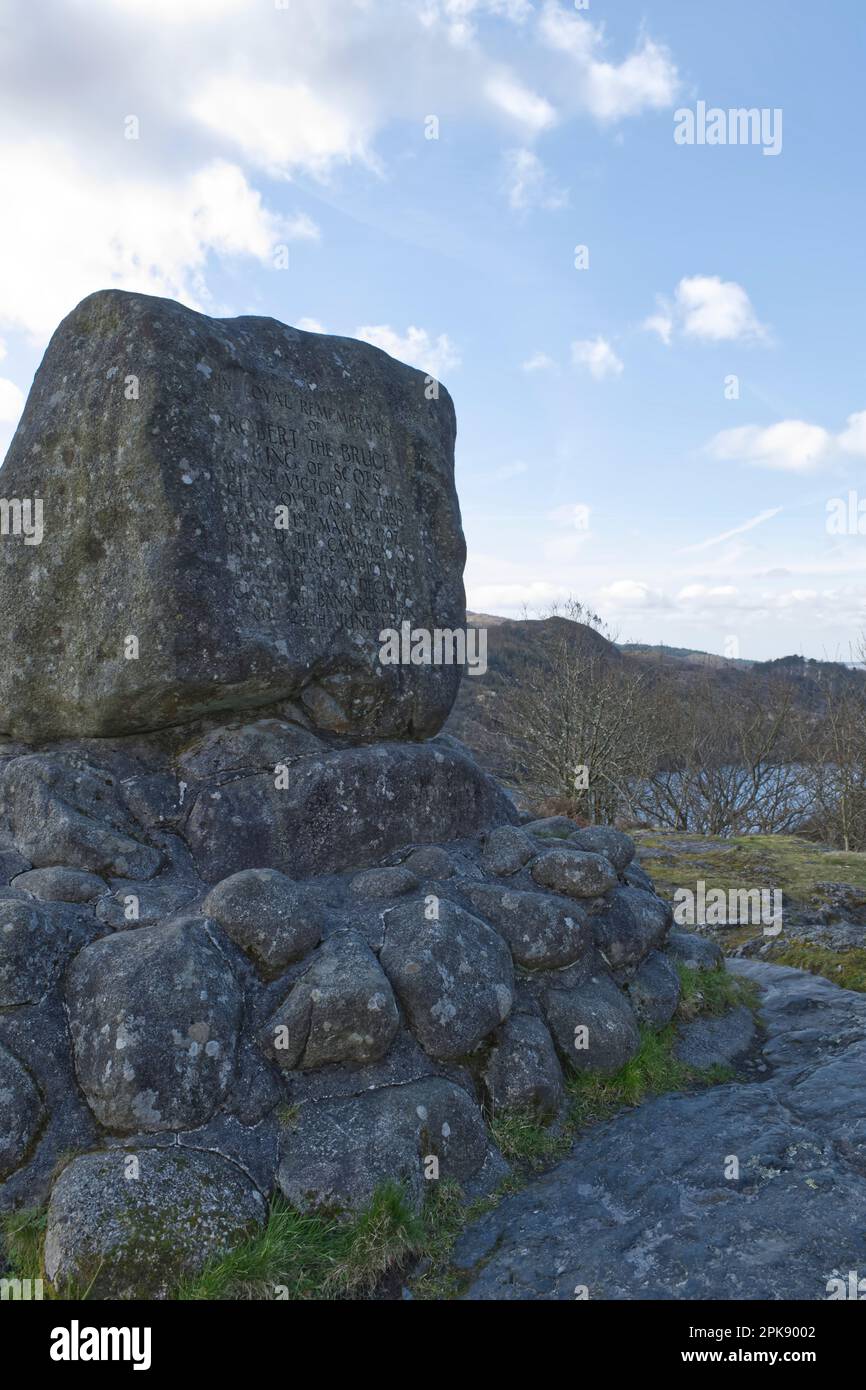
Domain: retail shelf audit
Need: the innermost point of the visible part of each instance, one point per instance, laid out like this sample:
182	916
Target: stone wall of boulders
176	1044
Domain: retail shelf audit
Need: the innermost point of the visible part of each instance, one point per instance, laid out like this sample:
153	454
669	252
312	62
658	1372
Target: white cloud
853	438
716	310
496	598
791	446
139	234
11	401
435	356
632	593
662	323
647	80
708	308
539	362
715	594
283	128
597	355
310	326
524	107
176	11
528	184
223	85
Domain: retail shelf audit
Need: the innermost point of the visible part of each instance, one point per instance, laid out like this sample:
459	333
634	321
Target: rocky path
648	1205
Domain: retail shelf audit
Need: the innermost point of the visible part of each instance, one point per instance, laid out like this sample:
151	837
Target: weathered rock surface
646	1207
341	1009
574	872
551	827
593	1025
154	1016
654	990
453	975
506	850
135	1224
164	444
20	1112
335	1154
383	883
632	924
716	1042
429	862
61	814
260	923
61	885
523	1070
543	932
615	845
344	809
697	952
267	914
31	952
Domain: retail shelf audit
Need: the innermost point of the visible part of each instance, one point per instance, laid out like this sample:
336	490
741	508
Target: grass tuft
523	1138
298	1256
652	1071
711	993
23	1234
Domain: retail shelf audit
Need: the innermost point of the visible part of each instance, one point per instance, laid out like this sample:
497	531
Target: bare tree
573	723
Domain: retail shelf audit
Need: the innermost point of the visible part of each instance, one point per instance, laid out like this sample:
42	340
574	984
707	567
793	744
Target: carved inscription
311	493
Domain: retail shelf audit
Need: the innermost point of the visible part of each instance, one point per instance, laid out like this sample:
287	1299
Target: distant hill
520	647
660	652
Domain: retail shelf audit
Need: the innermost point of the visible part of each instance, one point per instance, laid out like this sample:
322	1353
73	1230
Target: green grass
771	861
654	1070
768	861
446	1214
845	968
710	993
651	1072
23	1233
524	1139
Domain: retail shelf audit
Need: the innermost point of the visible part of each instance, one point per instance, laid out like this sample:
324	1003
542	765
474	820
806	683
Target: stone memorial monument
262	926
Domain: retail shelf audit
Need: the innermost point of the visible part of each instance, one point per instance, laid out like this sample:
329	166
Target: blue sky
599	454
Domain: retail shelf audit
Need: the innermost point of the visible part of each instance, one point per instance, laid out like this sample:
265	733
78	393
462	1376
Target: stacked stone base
240	961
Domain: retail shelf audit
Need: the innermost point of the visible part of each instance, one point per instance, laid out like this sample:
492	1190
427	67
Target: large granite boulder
452	973
335	1154
232	512
154	1016
136	1224
341	1009
346	807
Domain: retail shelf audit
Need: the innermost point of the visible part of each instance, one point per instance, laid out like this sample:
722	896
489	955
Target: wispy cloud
734	531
